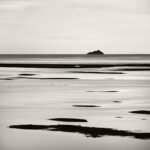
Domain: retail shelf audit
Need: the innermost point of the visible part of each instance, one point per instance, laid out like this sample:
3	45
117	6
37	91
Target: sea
77	58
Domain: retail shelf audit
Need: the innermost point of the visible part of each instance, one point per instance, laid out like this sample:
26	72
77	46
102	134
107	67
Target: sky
74	26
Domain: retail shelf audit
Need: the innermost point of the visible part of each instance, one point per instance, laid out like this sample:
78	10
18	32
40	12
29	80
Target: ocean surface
77	58
31	93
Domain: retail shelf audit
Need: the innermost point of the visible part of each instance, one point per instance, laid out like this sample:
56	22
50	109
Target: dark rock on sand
69	119
87	131
97	52
85	106
146	112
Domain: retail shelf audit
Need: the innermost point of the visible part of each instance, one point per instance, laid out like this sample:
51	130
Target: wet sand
103	100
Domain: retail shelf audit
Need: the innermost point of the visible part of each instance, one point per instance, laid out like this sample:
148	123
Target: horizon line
74	54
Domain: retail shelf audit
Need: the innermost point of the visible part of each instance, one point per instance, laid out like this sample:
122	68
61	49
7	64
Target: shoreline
73	65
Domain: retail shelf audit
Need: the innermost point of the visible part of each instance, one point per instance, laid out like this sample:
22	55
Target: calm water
74	58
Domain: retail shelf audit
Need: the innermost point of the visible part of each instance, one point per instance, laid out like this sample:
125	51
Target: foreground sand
106	101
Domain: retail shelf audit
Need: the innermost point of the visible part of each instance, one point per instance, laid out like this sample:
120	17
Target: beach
103	101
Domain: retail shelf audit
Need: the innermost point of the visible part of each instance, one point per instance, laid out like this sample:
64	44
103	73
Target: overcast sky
74	26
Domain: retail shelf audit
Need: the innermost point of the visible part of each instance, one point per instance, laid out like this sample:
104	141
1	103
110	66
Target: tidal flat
67	109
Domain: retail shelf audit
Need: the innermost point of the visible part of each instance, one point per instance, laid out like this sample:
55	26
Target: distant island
97	52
